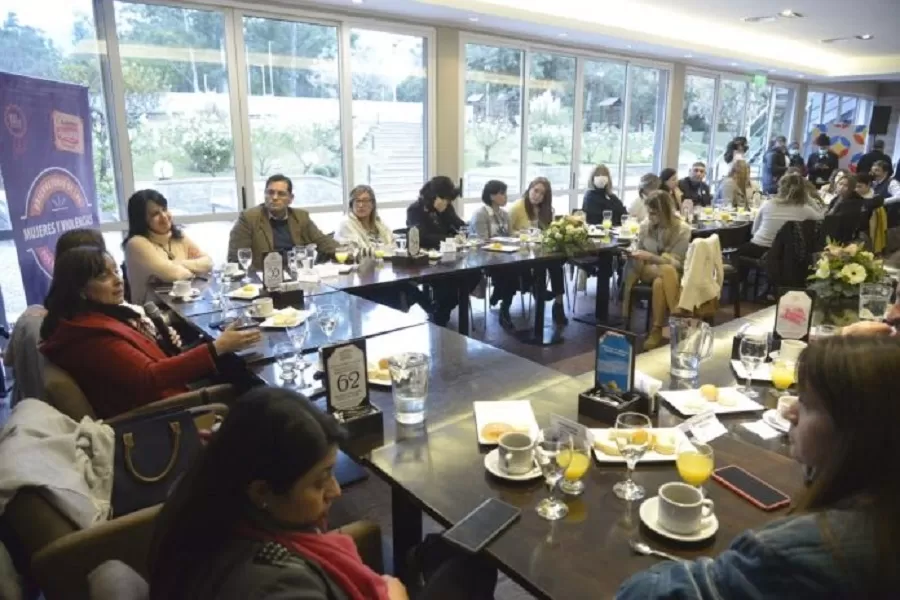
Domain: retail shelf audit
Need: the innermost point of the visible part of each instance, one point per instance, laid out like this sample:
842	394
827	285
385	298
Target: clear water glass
218	289
327	318
550	443
245	259
874	301
287	360
633	440
752	352
409	378
690	342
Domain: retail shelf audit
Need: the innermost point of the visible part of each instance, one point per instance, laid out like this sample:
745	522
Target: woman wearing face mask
795	159
111	352
669	179
156	250
599	197
535	209
243	525
648	184
840	540
823	162
663	241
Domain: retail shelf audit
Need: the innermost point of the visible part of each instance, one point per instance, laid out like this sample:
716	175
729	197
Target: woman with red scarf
248	519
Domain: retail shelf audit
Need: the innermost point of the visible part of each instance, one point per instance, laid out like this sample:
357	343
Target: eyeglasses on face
277	194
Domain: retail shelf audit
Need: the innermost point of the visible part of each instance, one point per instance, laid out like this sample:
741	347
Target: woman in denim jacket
841	541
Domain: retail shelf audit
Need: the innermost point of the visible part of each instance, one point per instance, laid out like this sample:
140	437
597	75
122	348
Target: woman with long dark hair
535	209
157	250
110	349
433	213
248	520
841	540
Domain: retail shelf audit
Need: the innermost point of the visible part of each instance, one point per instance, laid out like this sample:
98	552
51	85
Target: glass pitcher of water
691	341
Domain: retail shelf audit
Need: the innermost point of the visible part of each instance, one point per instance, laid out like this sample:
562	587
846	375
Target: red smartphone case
746	496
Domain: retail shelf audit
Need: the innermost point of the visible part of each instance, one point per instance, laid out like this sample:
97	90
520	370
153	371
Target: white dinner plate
194	295
649	456
240	294
500	248
691	402
299	317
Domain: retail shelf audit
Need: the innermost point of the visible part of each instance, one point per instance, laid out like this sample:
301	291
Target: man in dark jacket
694	187
775	163
869	159
823	163
795	159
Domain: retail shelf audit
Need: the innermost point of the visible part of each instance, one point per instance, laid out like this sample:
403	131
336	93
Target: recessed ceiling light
789	14
865	36
628	47
473	19
766	19
771	70
357	1
801	76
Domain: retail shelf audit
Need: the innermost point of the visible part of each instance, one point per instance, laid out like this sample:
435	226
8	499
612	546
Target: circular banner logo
54	190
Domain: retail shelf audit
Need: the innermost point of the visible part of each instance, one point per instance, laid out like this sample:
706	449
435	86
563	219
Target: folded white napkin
327	270
645	383
307	277
762	429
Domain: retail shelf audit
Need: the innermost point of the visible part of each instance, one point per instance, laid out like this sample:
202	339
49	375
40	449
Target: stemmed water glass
551	443
633	439
753	351
286	356
326	317
245	259
298	336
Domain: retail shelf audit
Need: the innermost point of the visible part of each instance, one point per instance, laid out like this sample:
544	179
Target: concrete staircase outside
395	161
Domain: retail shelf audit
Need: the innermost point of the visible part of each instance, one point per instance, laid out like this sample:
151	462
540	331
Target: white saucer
195	294
649	511
776	421
492	464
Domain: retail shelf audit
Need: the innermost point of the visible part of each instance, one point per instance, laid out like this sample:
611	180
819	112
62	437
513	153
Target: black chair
641	291
842	228
127	285
730	239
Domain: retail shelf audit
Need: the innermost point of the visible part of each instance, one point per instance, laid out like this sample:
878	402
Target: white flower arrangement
568	234
841	269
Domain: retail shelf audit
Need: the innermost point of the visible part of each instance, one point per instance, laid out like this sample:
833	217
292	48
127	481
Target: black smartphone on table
477	529
751	488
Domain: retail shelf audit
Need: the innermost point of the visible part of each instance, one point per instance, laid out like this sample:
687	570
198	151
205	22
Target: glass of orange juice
783	374
342	254
694	462
575	464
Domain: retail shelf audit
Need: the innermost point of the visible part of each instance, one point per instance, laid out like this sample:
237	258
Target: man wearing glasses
694	187
275	226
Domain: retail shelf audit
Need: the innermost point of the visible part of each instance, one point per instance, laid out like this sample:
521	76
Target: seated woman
599	198
840	540
253	524
535	209
434	216
648	184
492	221
662	243
108	348
362	226
156	250
738	190
829	191
793	203
669	179
848	203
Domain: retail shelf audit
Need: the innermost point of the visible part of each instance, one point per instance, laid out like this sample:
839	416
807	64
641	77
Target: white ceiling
700	32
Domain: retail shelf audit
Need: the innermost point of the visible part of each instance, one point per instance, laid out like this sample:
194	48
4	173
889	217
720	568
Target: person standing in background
869	159
775	164
795	159
823	162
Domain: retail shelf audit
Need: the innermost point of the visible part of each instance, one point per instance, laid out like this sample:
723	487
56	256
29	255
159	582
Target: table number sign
704	427
346	384
614	367
412	241
578	431
273	270
793	314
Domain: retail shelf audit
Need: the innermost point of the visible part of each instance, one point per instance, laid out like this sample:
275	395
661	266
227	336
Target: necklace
167	250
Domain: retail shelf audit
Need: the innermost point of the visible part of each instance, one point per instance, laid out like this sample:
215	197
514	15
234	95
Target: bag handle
128	441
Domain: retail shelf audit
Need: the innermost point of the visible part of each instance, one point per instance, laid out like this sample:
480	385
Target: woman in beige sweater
156	250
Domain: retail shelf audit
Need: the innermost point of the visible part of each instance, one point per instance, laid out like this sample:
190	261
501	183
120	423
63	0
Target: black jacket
820	168
870	158
596	201
775	163
698	193
796	160
434	227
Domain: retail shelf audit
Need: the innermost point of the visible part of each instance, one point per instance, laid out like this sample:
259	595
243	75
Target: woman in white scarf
362	225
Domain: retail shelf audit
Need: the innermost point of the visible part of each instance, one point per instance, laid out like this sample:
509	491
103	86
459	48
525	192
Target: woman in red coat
110	349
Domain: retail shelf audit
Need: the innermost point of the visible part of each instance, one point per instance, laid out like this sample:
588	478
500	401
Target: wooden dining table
437	468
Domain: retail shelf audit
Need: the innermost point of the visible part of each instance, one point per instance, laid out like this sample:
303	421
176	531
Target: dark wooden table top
584	556
357	318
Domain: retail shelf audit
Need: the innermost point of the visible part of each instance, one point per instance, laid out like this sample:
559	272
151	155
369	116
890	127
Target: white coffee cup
181	289
516	453
263	307
232	268
785	403
790	350
682	508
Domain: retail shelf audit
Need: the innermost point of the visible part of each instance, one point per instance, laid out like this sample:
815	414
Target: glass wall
207	102
612	113
718	108
826	107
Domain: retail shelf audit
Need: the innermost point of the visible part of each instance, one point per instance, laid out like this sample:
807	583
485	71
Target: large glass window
814	101
294	108
551	104
56	40
604	105
832	108
493	119
389	75
756	124
732	104
782	111
696	121
646	114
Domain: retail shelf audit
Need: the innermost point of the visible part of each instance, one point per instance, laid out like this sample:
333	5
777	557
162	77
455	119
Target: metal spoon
642	548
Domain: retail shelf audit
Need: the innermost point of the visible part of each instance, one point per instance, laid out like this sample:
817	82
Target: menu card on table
793	314
614	367
346	384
